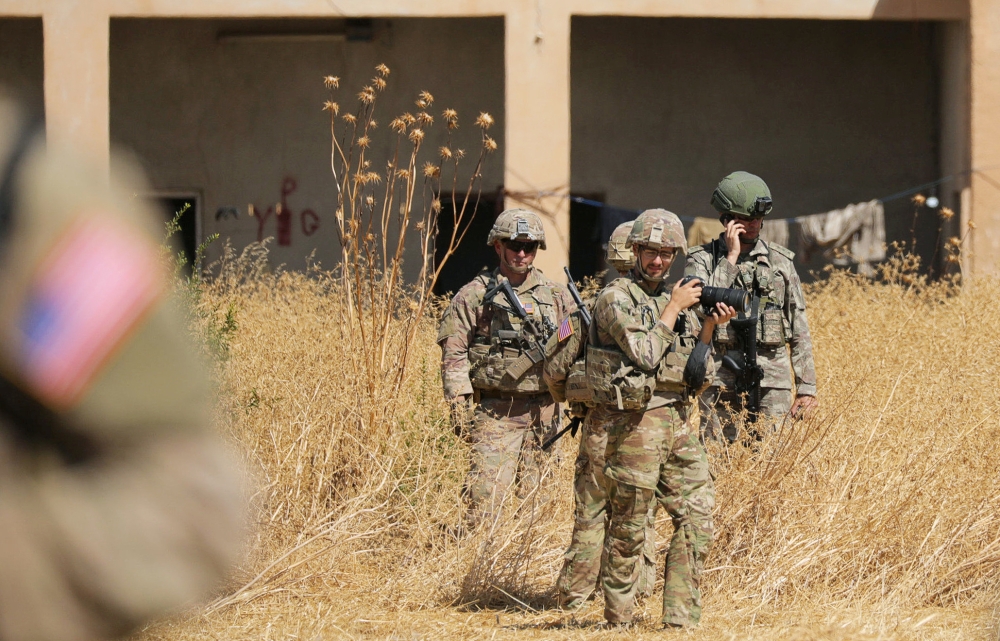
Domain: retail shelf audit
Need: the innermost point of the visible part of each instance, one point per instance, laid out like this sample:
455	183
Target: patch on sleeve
565	329
529	307
93	288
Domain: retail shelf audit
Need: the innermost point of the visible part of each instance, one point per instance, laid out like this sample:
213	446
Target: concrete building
638	103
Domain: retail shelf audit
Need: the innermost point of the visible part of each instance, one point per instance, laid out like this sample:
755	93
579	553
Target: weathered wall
828	112
21	68
233	120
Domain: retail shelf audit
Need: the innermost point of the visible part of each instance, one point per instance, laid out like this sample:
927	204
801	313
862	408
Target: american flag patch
529	307
565	330
95	285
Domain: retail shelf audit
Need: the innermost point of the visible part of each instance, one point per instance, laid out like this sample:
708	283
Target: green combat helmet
657	229
743	194
619	250
517	224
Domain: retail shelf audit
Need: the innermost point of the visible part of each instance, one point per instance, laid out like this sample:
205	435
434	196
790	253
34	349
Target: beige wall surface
828	112
237	120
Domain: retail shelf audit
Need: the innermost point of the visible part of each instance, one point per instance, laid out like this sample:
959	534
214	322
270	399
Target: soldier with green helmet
117	501
739	258
501	403
581	570
647	358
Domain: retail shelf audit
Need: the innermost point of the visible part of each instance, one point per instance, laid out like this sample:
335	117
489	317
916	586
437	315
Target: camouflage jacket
470	324
768	272
635	328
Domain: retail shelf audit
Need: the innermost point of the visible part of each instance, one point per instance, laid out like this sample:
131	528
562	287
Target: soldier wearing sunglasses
501	404
738	258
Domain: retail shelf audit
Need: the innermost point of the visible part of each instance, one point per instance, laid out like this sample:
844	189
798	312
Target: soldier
738	258
488	372
117	503
648	354
580	574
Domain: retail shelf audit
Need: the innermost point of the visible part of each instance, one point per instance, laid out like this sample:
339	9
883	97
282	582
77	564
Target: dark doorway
472	255
585	244
186	238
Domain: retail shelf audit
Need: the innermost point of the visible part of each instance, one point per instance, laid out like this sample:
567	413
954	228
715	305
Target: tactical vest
498	361
614	380
760	279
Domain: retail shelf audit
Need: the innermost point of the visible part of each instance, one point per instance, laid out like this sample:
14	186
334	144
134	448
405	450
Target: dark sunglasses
517	245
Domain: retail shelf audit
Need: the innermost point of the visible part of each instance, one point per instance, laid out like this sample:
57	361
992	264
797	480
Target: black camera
738	299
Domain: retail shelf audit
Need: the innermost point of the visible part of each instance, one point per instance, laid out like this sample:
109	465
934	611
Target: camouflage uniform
652	455
636	367
511	417
767	271
117	503
581	569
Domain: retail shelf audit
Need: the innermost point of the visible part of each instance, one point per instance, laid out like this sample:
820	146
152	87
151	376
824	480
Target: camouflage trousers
652	456
581	569
718	404
506	438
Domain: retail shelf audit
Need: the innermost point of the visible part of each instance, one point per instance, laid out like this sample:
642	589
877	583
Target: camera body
738	299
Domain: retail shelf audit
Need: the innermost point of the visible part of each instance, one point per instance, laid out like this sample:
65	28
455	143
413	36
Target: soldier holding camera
740	259
648	355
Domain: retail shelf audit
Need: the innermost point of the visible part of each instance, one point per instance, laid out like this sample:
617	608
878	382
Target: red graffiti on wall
308	220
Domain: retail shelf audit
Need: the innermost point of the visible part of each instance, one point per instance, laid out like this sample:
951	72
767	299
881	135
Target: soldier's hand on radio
733	230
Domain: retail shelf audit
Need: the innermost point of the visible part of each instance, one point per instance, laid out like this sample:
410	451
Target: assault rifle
574	423
744	362
575	293
532	341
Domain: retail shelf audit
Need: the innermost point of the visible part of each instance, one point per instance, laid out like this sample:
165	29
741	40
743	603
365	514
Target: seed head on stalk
331	82
484	120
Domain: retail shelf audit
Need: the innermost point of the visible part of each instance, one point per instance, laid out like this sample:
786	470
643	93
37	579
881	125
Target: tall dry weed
881	505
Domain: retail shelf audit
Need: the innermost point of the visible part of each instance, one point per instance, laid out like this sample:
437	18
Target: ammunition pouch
502	369
577	389
771	326
614	381
670	373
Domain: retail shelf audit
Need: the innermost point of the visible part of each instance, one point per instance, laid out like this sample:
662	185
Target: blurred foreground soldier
491	364
648	356
739	259
581	570
116	502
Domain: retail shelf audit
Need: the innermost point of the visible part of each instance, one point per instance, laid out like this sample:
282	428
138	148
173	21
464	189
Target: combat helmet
619	250
657	229
517	224
743	194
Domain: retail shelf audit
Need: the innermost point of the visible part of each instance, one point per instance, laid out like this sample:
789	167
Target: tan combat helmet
619	250
657	229
517	224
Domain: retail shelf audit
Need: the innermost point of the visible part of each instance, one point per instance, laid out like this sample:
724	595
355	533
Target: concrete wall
21	67
235	119
828	112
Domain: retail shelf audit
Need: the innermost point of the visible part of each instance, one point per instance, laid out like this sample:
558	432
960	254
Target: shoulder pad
783	251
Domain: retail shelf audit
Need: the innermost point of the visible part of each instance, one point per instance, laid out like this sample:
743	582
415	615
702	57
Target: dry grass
874	520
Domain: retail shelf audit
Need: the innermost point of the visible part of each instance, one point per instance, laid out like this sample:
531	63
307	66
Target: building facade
637	103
